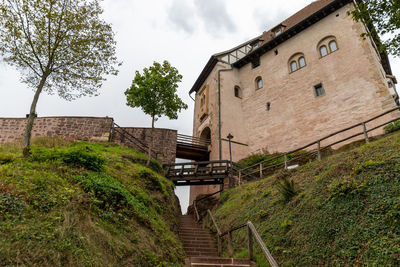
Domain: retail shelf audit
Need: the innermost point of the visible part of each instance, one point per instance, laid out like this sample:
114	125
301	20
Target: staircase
200	247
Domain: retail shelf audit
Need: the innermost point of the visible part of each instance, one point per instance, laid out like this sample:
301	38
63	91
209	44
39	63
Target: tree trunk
151	142
31	118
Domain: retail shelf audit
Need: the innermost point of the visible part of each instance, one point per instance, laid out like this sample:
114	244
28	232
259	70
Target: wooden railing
262	167
198	217
251	232
188	140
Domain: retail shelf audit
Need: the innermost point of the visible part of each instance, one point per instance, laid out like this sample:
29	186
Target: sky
184	32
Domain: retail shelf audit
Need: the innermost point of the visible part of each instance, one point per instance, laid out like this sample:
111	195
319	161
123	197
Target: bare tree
60	46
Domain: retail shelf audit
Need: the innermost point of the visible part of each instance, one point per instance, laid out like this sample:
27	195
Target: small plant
6	158
266	192
10	205
346	188
392	127
286	224
287	189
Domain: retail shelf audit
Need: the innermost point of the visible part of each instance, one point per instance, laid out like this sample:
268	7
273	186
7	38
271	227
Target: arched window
327	45
293	66
296	62
332	46
238	92
323	51
259	83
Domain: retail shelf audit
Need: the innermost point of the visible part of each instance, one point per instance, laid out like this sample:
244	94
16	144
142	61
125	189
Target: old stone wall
74	128
164	143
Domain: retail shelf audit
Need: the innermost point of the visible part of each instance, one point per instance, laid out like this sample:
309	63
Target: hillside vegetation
342	211
85	204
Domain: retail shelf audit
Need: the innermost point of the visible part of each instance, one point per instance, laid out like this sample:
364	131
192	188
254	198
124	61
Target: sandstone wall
164	141
74	128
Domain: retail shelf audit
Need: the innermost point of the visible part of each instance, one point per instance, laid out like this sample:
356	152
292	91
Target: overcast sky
184	32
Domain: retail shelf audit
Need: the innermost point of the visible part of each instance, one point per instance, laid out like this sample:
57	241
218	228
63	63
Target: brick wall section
75	128
164	141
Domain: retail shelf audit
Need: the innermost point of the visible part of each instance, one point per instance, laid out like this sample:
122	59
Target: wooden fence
315	149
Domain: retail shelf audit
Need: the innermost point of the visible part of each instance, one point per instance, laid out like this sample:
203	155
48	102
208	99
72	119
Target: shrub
77	157
10	205
346	188
287	189
286	224
6	158
392	127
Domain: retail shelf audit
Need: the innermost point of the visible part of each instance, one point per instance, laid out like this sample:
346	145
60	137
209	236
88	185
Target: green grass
346	210
85	204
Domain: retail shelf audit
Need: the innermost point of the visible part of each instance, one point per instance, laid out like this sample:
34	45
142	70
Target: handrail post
230	247
261	171
250	243
219	245
195	209
285	156
365	132
319	150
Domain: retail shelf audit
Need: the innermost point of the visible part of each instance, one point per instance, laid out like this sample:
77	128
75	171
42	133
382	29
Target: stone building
308	76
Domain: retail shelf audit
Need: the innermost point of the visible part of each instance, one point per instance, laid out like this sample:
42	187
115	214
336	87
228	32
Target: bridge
192	148
198	173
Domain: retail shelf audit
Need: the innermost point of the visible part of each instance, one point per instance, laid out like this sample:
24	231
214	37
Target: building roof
296	23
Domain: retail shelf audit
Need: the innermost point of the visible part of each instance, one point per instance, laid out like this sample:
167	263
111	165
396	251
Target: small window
293	66
255	63
268	106
323	51
302	62
238	92
278	31
319	90
332	46
259	83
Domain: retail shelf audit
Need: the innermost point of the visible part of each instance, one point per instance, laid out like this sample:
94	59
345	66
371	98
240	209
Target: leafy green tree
60	46
384	15
154	92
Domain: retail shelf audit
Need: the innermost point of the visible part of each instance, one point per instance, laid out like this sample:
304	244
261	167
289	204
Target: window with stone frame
327	46
296	62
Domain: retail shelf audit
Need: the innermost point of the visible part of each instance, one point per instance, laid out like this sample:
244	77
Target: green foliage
347	213
383	14
392	127
65	43
154	91
10	205
287	189
266	192
77	157
85	204
6	158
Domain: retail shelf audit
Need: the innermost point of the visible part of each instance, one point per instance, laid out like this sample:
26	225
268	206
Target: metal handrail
258	166
200	199
192	140
251	231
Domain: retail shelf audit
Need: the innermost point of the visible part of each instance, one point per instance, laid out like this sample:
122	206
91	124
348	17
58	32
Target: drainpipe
219	111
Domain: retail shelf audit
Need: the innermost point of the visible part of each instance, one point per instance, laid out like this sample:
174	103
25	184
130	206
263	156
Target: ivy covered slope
342	211
85	204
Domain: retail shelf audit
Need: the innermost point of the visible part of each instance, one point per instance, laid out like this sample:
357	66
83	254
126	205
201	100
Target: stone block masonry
93	129
74	128
164	143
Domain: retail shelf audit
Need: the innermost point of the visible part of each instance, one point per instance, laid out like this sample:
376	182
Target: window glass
293	66
319	90
302	62
332	46
277	32
259	83
323	51
237	91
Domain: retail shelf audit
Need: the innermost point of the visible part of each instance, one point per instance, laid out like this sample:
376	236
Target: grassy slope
346	211
85	204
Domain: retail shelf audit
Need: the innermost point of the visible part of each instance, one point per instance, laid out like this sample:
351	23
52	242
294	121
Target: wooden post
365	132
240	174
219	245
319	150
285	156
250	243
261	170
230	248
